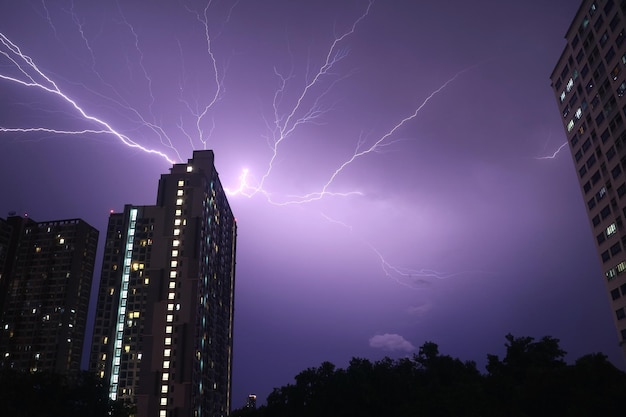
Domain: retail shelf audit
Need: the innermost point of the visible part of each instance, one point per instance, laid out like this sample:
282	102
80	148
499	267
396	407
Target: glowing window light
169	318
171	296
179	201
179	193
181	183
121	313
165	376
168	329
164	401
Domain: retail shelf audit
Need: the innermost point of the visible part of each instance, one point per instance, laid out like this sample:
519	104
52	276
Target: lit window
135	266
166	364
179	193
570	125
167	353
164	400
164	389
174	253
146	281
168	341
170	318
170	296
168	329
176	232
179	201
181	183
172	285
570	85
611	229
562	97
176	243
165	376
189	168
126	348
177	222
105	340
179	212
162	413
170	307
177	307
61	241
172	274
174	264
139	356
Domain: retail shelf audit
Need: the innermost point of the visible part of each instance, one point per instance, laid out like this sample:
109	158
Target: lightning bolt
554	154
412	278
31	76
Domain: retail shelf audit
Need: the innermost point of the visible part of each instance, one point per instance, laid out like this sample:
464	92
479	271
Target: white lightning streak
554	154
284	127
27	67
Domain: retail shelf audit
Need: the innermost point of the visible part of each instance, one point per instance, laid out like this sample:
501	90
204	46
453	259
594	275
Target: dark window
575	41
600	238
606	211
623	289
623	333
582	171
605	256
609	55
615	249
596	220
620	314
621	190
599	119
621	89
614	23
583	72
615	294
608	6
574	140
586	145
596	177
591	160
591	203
587	187
616	171
598	23
603	39
578	155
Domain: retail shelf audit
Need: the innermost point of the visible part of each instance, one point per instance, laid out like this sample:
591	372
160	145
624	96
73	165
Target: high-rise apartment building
46	270
589	82
163	331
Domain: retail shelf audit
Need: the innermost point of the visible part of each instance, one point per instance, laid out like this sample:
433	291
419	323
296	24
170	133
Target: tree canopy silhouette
531	380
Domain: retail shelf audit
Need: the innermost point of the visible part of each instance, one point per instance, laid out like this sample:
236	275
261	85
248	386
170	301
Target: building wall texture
589	83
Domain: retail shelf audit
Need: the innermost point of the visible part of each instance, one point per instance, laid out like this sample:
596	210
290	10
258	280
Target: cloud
391	342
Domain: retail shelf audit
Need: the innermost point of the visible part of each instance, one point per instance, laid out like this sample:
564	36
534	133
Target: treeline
50	394
531	380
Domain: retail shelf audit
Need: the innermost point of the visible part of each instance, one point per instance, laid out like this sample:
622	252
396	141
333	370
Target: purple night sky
446	226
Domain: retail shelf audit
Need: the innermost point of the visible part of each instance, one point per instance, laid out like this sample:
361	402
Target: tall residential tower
589	83
163	333
46	269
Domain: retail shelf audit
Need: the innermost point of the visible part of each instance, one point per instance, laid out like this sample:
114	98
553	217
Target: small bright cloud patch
391	342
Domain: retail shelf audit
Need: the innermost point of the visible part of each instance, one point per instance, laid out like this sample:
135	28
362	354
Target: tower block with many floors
163	331
589	82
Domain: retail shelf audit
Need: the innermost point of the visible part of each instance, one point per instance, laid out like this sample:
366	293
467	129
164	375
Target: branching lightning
33	77
286	116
